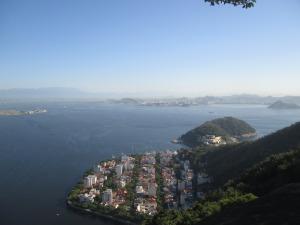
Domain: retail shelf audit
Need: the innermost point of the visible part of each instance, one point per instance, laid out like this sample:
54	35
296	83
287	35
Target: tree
243	3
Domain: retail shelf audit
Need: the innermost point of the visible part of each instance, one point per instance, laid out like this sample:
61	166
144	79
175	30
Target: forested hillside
229	161
226	127
255	183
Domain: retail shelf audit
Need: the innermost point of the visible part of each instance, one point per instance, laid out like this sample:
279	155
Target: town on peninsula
134	187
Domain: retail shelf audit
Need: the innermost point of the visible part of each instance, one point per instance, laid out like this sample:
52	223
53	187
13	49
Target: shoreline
99	215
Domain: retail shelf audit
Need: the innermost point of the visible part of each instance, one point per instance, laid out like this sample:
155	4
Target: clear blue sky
159	47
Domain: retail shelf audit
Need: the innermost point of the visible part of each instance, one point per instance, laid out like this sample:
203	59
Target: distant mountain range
55	92
206	100
73	93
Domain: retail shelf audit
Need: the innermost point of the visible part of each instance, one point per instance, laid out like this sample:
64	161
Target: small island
219	132
10	112
13	112
283	105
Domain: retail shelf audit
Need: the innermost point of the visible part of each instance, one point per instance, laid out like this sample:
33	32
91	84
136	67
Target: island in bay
283	105
209	184
13	112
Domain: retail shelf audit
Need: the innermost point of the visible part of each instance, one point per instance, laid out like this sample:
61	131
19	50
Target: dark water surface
43	156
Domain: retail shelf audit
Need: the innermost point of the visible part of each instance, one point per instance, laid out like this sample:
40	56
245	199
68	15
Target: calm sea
43	156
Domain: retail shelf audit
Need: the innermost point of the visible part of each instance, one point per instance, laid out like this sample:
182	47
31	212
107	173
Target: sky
151	47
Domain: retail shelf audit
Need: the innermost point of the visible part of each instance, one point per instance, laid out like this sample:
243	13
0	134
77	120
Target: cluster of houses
119	172
146	187
123	176
107	183
169	179
213	140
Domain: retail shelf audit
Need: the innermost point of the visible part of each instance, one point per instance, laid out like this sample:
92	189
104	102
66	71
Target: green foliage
130	187
230	161
88	172
73	195
159	181
243	3
280	207
109	183
274	172
217	201
274	176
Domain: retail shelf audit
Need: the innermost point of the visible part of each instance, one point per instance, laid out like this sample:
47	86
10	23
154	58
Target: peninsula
207	186
133	188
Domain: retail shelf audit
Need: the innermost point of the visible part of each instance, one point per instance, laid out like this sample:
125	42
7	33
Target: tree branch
244	3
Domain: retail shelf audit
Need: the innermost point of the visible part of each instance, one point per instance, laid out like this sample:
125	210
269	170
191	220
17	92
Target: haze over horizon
151	48
75	93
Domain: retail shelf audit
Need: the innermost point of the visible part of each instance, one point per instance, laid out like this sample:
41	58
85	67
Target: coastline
100	215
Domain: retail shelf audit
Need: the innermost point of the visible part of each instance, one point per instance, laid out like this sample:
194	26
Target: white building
94	191
119	170
107	196
89	181
122	183
98	169
124	158
147	208
139	190
86	198
128	165
212	140
151	160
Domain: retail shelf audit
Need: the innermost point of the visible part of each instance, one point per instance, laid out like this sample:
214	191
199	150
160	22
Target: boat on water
176	141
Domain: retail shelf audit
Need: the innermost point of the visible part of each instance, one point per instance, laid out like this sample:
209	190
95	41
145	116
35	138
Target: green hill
231	207
280	207
262	184
270	174
229	161
226	127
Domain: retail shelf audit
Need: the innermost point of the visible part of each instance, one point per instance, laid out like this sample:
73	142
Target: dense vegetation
274	172
214	203
264	186
226	127
228	162
280	207
159	180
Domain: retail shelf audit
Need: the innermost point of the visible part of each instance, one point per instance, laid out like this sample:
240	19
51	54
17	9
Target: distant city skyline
151	48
